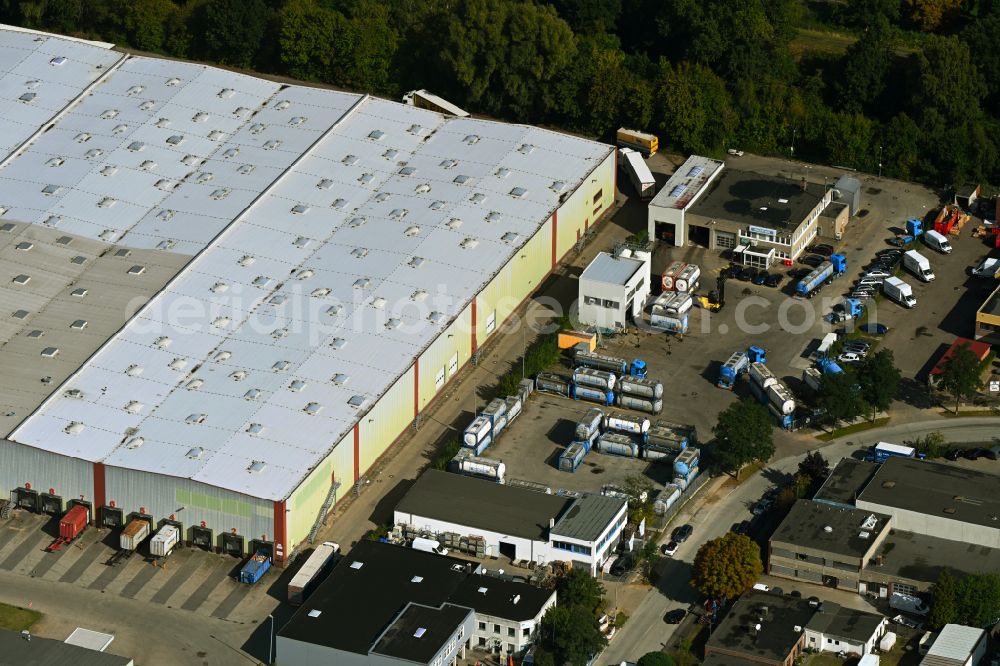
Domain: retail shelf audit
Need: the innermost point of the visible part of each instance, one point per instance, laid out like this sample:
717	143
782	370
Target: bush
447	452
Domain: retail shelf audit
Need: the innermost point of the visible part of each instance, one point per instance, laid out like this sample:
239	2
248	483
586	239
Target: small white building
957	645
613	289
514	522
837	629
508	614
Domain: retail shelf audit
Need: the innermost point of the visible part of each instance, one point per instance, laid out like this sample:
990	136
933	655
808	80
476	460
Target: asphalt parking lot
190	579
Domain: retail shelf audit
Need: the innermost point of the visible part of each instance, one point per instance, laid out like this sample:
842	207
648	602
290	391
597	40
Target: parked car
761	278
888	251
953	454
857	346
682	533
849	357
773	280
621	565
813	260
731	271
823	249
878	273
675	616
747	273
992	454
761	507
974	454
742	527
875	329
668	549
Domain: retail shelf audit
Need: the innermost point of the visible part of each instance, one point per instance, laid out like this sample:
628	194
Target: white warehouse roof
333	237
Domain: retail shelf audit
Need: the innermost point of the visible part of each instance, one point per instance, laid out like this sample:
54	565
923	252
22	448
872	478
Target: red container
73	522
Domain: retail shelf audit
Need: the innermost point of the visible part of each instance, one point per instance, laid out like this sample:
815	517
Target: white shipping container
164	541
134	534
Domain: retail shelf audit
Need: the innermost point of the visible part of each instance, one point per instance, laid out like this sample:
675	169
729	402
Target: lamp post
270	648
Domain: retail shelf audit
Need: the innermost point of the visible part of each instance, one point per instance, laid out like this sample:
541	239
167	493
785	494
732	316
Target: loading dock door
26	499
110	517
50	504
232	544
202	537
508	550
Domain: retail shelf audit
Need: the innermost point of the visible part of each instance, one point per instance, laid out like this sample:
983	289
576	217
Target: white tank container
590	423
513	407
477	431
636	425
645	388
596	378
639	404
761	376
484	467
687	280
781	398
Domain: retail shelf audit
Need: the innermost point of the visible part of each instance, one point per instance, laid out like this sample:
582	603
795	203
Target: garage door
725	240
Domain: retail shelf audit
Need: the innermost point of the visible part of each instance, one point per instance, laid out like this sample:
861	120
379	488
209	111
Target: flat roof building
613	289
234	295
845	481
761	628
772	218
988	316
936	499
517	523
957	645
837	629
457	604
17	648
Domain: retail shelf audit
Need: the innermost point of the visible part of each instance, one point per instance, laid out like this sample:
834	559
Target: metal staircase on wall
323	510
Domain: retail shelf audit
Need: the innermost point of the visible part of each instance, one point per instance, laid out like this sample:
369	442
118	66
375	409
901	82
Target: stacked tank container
669	312
589	424
477	432
771	392
666	498
670	275
641	387
571	457
588	359
514	404
596	378
673	436
618	444
549	382
592	394
686	467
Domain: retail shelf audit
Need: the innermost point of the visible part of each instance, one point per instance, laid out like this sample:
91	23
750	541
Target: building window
598	196
526	632
496	628
590	300
482	626
611	305
510	648
482	641
439	379
572	547
511	631
453	365
491	322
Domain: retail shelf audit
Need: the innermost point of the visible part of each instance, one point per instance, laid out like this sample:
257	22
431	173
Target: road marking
32	543
182	574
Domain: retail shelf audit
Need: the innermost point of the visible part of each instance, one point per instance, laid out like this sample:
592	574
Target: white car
850	357
877	274
737	153
670	548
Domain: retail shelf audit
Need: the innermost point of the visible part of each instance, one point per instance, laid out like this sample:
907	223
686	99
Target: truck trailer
835	265
133	534
71	525
640	175
645	143
164	541
882	451
310	572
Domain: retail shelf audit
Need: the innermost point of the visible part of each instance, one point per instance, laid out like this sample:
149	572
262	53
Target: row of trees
703	74
973	600
569	632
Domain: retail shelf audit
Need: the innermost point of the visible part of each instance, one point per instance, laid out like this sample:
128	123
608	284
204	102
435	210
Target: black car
875	329
761	278
889	251
730	271
742	527
773	280
682	533
972	454
992	454
675	616
621	565
822	249
813	260
953	454
747	273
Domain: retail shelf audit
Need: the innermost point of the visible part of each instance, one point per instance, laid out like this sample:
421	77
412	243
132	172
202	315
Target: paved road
712	517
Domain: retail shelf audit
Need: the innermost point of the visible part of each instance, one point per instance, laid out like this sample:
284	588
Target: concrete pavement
715	512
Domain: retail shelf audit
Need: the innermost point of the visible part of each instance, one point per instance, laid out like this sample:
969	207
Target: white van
429	546
937	241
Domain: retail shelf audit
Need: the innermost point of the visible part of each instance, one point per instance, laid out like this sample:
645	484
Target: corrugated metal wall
71	478
445	357
163	496
593	198
392	414
308	498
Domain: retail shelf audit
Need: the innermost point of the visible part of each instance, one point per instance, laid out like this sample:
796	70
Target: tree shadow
915	394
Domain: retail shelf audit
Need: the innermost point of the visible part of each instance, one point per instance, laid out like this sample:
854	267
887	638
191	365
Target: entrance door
508	550
698	235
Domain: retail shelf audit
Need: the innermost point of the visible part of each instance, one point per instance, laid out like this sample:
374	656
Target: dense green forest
913	85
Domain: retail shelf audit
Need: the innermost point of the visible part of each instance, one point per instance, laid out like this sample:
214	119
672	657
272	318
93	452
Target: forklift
716	298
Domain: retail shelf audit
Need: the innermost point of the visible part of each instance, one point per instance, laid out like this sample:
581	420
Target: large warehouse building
225	298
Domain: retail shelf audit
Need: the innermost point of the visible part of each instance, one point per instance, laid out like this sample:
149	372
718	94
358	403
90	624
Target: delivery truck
899	291
918	264
315	566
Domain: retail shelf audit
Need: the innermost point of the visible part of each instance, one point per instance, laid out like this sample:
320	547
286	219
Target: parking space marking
214	578
71	553
230	603
182	574
139	581
48	561
33	542
10	536
89	556
110	573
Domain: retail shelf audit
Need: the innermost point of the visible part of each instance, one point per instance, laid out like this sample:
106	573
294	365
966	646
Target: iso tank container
761	376
164	541
588	359
477	431
514	404
670	275
636	425
657	453
134	534
478	449
495	410
687	280
647	405
617	444
571	457
73	522
597	378
684	480
487	468
782	399
588	442
686	459
549	382
666	498
671	436
590	423
593	394
498	425
641	387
